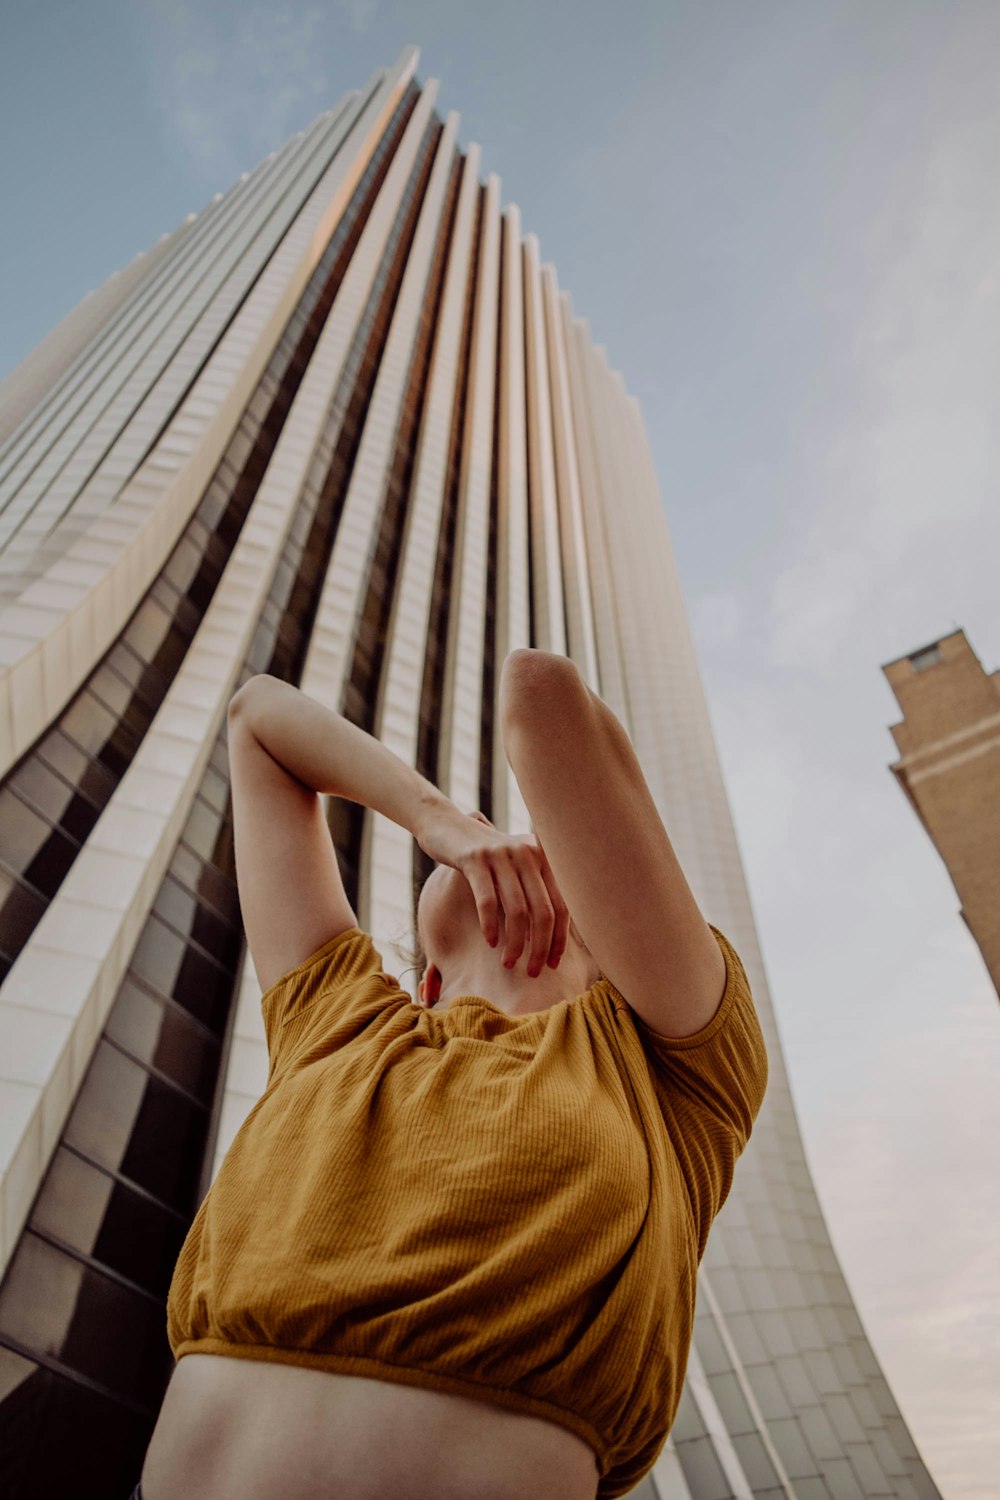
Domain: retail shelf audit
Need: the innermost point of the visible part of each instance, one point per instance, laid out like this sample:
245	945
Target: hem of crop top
416	1375
708	1031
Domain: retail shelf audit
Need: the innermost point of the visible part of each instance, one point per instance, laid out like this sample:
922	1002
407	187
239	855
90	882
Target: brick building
949	767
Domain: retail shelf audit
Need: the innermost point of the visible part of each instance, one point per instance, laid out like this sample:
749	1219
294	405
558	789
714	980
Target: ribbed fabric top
504	1207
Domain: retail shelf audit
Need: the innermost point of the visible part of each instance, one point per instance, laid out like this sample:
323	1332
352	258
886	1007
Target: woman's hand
503	870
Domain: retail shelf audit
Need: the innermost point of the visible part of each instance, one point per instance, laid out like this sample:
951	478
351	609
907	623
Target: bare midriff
239	1429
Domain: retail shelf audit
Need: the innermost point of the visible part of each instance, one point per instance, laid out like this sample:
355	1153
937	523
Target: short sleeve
341	984
709	1087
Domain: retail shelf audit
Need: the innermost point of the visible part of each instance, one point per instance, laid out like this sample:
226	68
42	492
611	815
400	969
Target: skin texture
235	1429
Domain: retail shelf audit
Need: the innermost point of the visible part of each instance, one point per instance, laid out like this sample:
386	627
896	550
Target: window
921	660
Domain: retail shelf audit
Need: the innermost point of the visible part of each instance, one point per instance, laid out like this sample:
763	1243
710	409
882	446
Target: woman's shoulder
344	956
344	973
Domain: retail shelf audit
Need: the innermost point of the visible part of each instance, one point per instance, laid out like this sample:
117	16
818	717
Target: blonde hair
411	951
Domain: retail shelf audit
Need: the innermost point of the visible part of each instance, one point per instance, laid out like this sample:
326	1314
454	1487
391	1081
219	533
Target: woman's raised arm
593	811
285	749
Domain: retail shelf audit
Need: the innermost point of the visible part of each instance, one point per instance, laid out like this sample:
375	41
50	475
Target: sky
782	220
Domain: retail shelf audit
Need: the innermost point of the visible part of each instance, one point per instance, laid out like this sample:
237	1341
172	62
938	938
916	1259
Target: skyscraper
949	768
343	427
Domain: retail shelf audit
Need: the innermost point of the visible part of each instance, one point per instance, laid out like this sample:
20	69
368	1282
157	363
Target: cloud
360	13
889	534
899	471
233	83
905	1168
717	618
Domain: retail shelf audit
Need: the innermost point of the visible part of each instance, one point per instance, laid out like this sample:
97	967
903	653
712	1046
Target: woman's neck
512	990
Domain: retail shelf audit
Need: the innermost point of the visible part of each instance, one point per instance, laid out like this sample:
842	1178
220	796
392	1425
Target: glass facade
52	799
115	1204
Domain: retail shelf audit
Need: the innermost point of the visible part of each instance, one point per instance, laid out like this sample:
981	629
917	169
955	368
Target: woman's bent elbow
529	676
246	693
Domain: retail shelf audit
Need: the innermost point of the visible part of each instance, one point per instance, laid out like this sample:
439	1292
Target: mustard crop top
504	1207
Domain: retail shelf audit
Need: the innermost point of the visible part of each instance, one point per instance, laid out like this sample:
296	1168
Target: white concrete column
513	605
593	508
461	728
390	848
582	645
546	557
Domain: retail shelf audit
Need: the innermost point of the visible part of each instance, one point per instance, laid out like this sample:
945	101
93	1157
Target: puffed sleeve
709	1088
328	997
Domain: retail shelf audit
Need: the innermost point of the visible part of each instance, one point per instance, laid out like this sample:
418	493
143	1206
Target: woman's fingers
542	913
530	913
480	877
518	877
516	911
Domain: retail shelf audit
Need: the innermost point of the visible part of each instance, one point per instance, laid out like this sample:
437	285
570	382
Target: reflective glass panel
61	1438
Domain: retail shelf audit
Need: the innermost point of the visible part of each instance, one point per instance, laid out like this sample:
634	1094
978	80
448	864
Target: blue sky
782	220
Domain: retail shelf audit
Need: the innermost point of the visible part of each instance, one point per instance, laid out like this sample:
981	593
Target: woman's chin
449	918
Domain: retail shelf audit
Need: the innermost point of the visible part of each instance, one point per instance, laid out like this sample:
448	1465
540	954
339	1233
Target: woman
451	1253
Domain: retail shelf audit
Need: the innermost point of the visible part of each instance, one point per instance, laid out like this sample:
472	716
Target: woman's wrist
434	810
